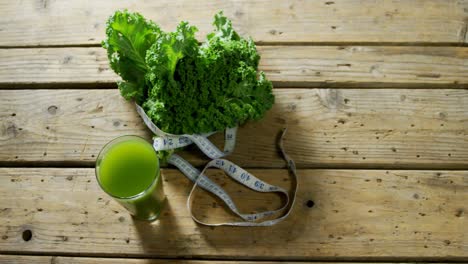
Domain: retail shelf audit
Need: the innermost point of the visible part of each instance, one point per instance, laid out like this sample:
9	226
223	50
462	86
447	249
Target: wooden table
374	93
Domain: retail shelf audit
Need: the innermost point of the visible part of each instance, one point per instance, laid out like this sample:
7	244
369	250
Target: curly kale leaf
168	99
223	28
212	87
169	49
129	36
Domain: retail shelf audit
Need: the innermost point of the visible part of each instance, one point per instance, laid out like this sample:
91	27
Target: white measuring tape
166	141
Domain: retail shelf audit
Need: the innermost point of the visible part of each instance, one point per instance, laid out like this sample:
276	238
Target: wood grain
16	259
358	214
286	66
75	22
56	66
341	128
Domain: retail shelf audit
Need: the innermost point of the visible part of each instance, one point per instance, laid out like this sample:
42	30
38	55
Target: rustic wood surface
374	94
5	259
357	214
286	66
76	22
399	128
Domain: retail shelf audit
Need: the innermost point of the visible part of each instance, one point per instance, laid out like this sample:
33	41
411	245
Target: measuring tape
167	141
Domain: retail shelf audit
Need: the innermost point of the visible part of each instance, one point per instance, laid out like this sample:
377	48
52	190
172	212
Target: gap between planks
345	166
283	85
27	258
277	43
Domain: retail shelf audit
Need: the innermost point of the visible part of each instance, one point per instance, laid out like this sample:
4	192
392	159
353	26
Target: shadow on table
227	239
175	234
163	230
253	240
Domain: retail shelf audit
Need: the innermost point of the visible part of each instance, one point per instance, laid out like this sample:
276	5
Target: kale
184	87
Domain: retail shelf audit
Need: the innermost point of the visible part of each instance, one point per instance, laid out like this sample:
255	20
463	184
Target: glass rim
101	152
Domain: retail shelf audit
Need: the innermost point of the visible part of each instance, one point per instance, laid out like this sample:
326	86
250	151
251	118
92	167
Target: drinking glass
127	169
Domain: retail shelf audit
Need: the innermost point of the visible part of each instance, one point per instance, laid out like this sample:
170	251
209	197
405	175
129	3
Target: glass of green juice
127	169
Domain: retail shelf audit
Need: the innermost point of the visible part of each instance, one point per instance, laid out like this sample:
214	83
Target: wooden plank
52	66
347	128
293	66
16	259
8	259
78	22
358	215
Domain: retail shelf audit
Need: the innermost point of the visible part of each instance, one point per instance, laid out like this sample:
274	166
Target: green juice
128	170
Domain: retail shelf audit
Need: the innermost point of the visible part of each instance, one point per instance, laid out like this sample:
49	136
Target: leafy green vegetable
129	36
183	87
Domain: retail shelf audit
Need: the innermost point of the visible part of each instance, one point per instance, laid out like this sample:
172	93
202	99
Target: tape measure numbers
167	141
